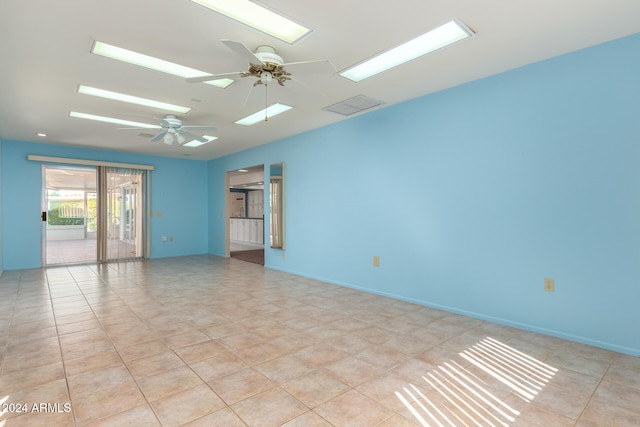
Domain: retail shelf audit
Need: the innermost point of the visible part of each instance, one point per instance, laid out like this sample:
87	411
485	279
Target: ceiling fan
267	66
172	129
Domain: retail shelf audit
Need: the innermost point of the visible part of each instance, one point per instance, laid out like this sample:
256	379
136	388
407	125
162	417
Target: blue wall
473	195
1	192
178	190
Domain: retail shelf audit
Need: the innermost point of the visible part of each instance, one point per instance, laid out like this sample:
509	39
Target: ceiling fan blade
310	67
308	86
189	135
158	137
210	77
242	50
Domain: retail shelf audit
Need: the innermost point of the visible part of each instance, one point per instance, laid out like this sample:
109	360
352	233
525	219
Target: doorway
93	214
69	215
245	212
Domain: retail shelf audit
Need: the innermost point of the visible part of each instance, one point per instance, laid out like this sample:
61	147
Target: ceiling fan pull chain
266	103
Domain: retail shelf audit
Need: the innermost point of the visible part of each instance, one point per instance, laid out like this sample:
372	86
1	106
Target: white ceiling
46	46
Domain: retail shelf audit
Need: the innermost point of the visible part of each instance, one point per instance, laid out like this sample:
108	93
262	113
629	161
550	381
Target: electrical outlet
376	261
549	285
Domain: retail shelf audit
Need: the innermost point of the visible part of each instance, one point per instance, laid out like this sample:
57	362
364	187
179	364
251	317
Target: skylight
263	114
111	120
135	58
258	17
437	38
196	143
88	90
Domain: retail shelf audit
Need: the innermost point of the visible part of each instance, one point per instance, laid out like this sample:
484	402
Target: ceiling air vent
354	105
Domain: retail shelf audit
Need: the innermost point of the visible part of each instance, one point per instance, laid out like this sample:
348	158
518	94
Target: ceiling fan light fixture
259	17
435	39
181	139
146	61
79	115
271	111
168	138
123	97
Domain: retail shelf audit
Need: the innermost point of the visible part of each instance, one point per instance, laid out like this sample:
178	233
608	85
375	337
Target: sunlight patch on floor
453	394
2	409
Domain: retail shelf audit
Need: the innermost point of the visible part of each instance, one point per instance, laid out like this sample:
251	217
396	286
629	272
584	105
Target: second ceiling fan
267	66
173	129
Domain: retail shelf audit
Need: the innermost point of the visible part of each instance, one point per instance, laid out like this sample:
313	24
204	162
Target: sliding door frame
101	190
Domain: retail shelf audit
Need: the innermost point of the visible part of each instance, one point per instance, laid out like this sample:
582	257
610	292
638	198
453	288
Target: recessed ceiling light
93	91
111	120
437	38
196	143
258	17
41	135
262	115
243	170
114	52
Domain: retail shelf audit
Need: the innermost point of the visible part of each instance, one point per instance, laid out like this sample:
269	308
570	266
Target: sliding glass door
93	214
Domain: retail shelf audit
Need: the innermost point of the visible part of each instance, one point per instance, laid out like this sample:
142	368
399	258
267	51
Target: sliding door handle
44	216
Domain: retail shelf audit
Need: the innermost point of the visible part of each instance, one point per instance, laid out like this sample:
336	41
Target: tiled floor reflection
206	341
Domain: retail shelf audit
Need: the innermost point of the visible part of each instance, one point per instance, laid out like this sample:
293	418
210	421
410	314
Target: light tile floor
207	341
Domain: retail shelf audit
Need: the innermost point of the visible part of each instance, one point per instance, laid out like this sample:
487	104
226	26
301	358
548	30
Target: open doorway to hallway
245	211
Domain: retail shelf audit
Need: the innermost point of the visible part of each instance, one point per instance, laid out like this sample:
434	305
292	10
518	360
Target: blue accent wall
1	214
178	191
473	195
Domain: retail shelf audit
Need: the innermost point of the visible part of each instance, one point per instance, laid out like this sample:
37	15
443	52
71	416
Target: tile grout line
113	345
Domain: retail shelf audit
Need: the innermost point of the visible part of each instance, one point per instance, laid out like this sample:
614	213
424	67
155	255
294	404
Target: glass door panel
69	215
125	213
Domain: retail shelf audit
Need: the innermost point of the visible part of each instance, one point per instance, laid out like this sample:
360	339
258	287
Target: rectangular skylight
261	115
135	58
196	143
116	96
258	17
437	38
112	120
